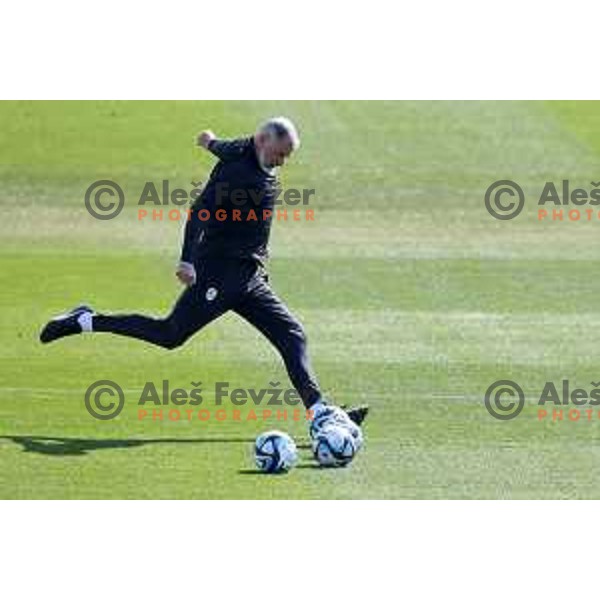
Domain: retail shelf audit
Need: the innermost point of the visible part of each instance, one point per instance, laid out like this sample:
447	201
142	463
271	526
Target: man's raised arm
223	149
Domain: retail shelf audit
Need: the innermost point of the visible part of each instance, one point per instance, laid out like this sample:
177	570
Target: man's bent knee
171	344
174	337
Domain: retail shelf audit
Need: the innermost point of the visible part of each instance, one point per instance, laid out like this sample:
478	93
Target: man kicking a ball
222	263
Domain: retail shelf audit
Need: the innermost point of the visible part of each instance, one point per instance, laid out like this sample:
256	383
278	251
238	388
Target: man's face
274	152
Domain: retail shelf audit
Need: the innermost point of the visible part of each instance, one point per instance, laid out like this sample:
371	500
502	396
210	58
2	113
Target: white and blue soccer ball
275	452
334	415
334	446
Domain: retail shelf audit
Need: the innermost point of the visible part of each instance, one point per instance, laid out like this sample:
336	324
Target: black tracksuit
228	254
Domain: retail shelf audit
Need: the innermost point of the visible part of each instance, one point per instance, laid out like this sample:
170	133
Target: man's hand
205	138
186	273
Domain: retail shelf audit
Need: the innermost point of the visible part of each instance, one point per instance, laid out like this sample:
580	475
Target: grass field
414	299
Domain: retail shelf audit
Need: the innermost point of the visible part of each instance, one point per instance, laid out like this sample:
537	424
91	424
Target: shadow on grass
262	473
58	446
259	472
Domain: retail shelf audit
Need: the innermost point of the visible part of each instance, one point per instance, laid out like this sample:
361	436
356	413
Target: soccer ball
334	415
334	446
275	452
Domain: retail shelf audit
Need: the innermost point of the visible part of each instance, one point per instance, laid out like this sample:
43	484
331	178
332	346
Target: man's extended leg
265	311
261	307
188	316
197	306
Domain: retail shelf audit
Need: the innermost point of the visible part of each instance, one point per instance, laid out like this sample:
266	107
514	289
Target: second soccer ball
334	446
275	452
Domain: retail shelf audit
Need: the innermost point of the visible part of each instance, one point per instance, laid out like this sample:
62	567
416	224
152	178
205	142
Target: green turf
414	299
